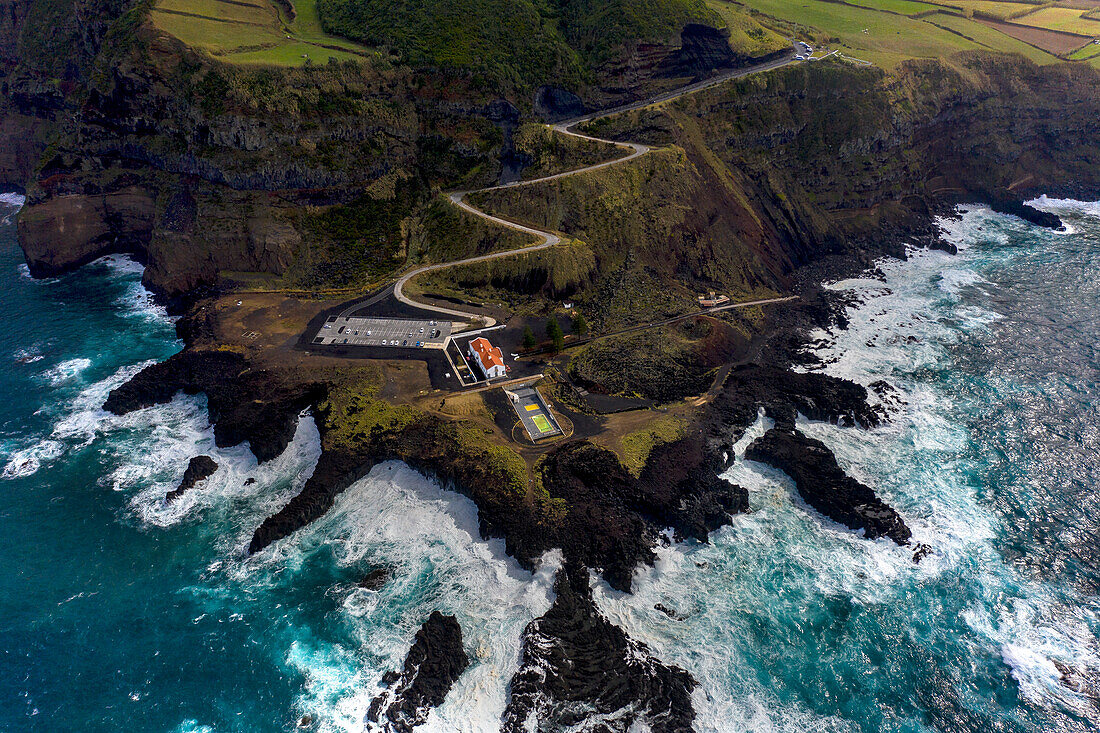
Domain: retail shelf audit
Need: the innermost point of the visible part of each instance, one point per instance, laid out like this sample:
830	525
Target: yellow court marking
531	408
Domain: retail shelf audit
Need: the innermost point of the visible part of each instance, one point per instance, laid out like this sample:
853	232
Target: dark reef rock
783	394
200	468
245	405
1006	204
825	486
610	520
575	663
434	662
375	579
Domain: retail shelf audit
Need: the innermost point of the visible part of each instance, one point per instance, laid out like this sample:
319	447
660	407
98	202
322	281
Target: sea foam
399	519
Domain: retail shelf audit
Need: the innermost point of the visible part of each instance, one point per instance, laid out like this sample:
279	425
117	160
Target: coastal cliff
236	184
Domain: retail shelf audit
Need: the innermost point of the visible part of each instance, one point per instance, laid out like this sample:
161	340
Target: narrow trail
546	237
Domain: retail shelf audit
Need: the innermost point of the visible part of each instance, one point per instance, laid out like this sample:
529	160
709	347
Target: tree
528	338
553	330
580	326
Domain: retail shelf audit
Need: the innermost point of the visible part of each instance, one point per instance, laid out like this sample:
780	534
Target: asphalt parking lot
388	332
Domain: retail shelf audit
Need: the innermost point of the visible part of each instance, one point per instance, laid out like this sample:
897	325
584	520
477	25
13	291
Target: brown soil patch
1054	42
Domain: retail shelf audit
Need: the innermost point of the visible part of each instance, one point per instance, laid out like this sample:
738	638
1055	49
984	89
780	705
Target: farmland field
1055	42
889	39
991	38
992	8
901	7
253	32
1081	4
1068	20
1086	52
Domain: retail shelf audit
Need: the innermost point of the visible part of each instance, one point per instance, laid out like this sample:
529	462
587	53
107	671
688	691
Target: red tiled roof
490	355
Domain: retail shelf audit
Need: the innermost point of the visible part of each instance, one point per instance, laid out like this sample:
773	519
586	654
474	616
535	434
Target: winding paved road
548	238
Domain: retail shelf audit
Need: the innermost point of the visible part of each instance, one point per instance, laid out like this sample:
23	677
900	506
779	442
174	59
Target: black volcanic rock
1004	203
198	469
825	486
375	579
575	662
555	103
434	662
703	48
245	404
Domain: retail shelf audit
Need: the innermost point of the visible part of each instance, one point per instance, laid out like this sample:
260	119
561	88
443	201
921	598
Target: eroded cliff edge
828	168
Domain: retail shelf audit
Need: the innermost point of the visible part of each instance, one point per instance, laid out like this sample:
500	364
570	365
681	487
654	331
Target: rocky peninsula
254	225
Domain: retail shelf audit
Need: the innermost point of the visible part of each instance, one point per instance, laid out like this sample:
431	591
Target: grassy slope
901	7
253	32
747	35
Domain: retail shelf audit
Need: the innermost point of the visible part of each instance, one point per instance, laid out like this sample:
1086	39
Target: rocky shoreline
612	519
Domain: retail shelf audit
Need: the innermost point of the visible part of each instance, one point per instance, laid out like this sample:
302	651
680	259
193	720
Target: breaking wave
792	622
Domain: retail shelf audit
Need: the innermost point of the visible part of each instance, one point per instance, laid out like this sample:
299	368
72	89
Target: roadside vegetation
662	364
548	152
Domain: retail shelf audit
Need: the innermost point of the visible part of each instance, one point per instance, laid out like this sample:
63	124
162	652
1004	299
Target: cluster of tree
578	325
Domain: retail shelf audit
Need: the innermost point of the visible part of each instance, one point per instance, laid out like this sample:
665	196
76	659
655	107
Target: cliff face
872	154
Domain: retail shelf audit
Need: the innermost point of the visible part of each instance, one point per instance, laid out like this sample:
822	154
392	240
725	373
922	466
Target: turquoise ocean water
120	613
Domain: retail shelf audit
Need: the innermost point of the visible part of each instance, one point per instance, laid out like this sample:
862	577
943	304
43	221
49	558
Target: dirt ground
1055	42
268	329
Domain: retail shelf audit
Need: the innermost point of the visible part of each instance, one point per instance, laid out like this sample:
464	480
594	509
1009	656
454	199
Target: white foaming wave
243	490
1066	206
717	590
915	465
1035	631
395	517
716	594
65	372
76	429
140	303
12	199
28	355
27	461
121	265
86	418
137	301
193	726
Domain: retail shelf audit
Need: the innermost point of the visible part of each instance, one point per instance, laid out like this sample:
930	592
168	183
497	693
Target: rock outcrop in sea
434	662
825	486
576	663
198	469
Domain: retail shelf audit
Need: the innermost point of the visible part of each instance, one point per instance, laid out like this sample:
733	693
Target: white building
488	358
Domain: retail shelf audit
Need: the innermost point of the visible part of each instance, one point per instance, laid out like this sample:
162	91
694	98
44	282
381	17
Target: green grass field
542	423
901	7
747	35
253	32
1067	20
882	38
991	8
